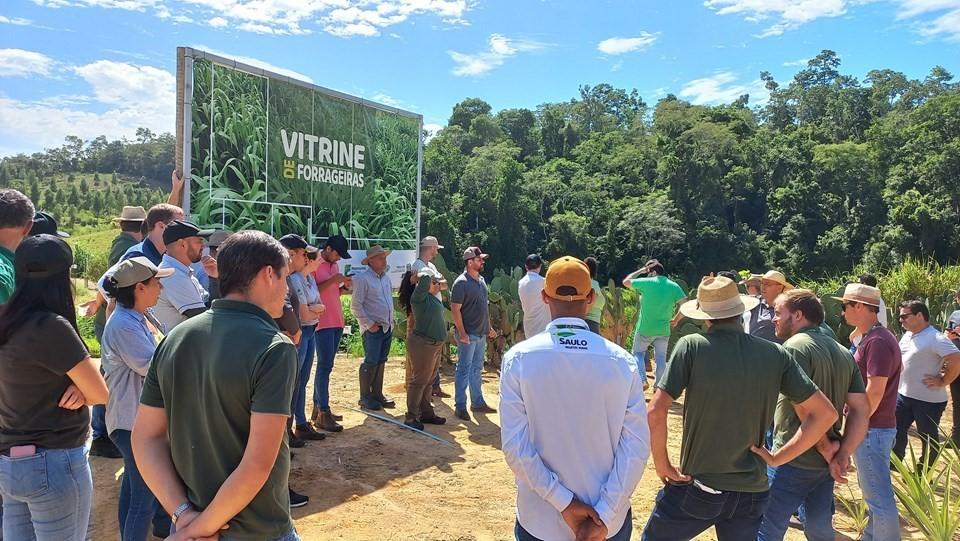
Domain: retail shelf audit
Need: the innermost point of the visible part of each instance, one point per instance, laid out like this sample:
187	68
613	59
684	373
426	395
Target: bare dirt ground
375	481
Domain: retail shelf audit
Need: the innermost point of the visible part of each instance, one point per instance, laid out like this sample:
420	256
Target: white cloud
16	21
218	22
257	63
432	130
722	87
790	14
615	46
130	96
500	48
344	18
21	63
946	17
797	62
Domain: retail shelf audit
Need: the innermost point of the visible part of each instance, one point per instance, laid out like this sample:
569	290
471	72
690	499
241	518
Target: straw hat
753	279
718	298
778	277
131	214
861	293
375	251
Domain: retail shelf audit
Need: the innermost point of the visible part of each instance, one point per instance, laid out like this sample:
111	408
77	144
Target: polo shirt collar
242	306
173	262
562	322
478	279
130	312
151	251
726	327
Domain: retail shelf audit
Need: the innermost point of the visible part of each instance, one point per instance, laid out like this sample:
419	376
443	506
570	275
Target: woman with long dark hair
46	381
128	347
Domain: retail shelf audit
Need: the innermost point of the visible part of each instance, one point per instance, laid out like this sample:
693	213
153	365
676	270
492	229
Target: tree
84	188
34	190
468	109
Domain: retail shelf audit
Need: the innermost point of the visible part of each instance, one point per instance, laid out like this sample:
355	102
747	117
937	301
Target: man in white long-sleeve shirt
573	421
536	315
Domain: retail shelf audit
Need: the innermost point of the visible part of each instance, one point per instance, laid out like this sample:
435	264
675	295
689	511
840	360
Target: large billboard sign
265	151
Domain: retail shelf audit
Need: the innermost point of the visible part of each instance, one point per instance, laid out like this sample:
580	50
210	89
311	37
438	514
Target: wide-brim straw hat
132	214
374	251
861	293
778	277
718	298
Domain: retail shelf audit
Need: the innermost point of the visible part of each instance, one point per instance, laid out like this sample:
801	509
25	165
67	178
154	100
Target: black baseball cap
45	224
181	229
42	256
293	241
338	244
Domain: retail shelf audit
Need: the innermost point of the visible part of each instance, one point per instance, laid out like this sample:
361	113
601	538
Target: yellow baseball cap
568	279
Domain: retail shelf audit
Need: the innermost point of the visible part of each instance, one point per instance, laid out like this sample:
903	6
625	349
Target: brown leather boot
315	416
326	422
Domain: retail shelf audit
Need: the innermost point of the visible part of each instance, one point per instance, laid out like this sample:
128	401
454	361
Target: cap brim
164	272
312	249
691	309
63	234
205	232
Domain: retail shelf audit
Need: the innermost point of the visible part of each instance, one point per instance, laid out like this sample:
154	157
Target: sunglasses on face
844	306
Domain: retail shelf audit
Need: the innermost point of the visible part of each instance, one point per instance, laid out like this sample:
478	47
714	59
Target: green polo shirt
120	245
833	370
209	375
427	312
8	275
732	381
659	296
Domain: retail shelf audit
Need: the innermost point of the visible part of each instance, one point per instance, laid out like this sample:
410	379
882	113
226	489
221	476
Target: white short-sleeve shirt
181	292
923	355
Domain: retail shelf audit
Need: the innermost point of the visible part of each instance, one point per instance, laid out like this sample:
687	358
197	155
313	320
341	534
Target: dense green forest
85	184
829	173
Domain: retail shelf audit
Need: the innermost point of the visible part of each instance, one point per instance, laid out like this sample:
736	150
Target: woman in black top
46	381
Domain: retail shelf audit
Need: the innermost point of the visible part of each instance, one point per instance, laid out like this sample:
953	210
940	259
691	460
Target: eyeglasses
844	306
902	317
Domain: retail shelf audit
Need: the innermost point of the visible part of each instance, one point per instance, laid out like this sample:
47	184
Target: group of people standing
774	409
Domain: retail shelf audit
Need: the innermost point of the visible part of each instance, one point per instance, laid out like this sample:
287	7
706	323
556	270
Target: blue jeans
927	416
683	511
873	471
640	345
791	487
623	535
137	504
46	496
305	352
469	372
98	413
376	346
327	344
292	536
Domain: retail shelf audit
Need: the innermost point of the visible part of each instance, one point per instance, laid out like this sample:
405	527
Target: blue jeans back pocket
24	477
700	504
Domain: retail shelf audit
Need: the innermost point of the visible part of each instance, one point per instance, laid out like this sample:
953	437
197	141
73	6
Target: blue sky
91	67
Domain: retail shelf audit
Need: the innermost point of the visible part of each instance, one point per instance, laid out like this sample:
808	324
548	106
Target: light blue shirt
372	300
128	347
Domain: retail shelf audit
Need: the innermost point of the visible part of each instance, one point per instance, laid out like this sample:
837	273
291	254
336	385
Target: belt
427	339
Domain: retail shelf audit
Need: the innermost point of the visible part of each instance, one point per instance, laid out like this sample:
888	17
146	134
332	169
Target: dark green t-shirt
8	275
120	245
732	381
210	374
427	312
832	369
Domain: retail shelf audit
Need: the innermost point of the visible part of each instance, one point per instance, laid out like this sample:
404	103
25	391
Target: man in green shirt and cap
808	480
730	381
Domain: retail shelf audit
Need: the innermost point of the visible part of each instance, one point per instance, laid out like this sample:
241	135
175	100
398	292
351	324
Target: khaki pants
424	357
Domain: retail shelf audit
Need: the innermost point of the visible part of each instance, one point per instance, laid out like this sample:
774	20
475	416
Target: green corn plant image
930	495
855	508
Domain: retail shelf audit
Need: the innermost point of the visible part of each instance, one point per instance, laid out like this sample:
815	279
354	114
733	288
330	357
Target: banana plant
619	314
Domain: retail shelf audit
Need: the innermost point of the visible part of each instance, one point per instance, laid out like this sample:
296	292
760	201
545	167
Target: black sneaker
297	500
413	423
462	414
105	448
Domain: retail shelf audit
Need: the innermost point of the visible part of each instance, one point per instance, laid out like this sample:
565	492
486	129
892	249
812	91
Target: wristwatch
181	509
